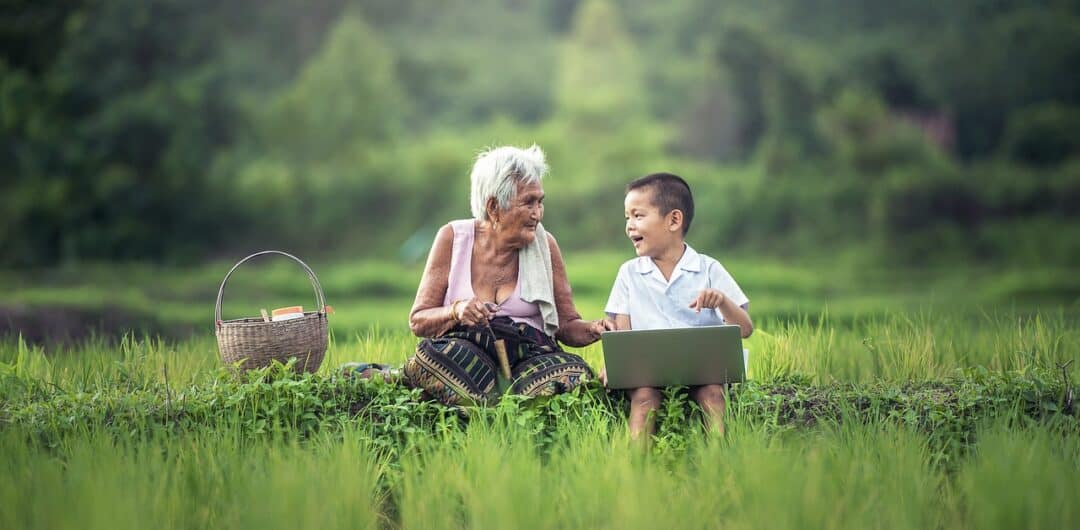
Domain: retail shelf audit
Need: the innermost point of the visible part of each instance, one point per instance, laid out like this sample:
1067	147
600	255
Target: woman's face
525	212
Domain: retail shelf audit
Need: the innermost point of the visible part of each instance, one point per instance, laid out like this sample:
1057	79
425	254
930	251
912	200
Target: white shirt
652	302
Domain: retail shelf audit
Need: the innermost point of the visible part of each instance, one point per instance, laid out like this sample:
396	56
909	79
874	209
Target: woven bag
256	343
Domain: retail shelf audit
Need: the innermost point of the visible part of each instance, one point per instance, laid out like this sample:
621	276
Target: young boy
669	285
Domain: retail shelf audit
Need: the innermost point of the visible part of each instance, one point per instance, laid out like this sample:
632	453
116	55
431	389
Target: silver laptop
667	357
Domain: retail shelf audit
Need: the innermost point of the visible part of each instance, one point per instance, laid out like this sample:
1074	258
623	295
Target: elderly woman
498	277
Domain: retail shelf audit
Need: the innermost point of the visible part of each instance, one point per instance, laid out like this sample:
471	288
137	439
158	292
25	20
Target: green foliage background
175	130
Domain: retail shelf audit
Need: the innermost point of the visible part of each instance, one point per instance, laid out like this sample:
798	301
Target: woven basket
255	343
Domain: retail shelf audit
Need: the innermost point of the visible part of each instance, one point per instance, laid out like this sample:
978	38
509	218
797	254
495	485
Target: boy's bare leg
712	401
644	403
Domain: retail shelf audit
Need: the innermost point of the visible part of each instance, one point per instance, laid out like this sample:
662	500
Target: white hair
497	173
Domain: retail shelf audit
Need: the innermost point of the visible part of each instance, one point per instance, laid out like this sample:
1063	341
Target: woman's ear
675	220
492	209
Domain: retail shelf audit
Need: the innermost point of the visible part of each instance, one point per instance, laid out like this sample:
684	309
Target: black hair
669	192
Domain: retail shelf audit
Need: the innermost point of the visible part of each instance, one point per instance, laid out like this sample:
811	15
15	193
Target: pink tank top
460	280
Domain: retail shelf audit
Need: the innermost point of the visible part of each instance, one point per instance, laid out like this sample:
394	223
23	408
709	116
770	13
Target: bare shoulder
433	282
444	235
551	240
441	248
553	248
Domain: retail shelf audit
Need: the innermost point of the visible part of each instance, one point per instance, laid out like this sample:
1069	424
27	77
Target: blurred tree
863	134
31	32
887	72
319	143
1043	135
464	63
996	57
114	123
599	78
166	129
601	126
347	96
771	103
560	13
709	127
103	148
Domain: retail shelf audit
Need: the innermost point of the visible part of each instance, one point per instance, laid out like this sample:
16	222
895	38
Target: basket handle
320	299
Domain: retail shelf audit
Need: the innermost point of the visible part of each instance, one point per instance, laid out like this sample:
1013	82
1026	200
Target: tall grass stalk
209	480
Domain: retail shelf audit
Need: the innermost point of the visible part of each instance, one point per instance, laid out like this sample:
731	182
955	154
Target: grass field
367	293
871	405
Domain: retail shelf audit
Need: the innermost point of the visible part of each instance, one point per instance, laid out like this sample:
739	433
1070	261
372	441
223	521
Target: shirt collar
689	262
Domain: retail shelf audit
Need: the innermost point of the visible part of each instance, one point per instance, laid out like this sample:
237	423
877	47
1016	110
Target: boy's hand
603	376
708	299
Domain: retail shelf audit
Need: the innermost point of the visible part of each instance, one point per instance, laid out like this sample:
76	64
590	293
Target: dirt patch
47	324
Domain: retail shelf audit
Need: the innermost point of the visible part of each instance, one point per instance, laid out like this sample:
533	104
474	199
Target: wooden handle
504	360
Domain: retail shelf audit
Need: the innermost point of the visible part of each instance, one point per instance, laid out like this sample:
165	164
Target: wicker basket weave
256	343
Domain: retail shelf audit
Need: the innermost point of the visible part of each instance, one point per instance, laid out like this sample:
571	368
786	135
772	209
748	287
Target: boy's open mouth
636	239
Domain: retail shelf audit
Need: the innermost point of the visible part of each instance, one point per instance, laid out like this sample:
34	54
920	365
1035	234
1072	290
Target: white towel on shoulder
537	284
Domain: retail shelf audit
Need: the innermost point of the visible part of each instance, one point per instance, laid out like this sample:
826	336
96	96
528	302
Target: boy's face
651	233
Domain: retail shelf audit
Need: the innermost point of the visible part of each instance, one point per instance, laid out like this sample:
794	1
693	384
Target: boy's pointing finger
696	304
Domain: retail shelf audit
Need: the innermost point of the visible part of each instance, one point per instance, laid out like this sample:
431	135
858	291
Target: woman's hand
473	312
595	327
607	324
